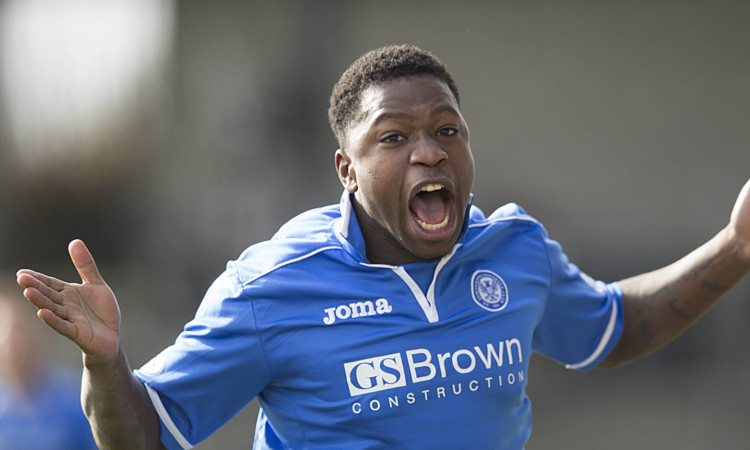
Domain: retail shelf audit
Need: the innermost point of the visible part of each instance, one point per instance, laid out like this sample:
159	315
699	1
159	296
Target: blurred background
170	136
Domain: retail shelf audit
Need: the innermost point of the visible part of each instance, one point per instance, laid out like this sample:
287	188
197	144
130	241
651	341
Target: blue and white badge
489	290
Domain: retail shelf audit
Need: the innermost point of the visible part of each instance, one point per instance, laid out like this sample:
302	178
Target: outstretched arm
117	405
660	305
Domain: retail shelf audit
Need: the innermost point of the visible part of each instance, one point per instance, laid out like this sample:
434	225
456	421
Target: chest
378	329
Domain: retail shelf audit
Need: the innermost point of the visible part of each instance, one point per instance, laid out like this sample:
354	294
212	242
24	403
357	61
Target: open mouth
431	207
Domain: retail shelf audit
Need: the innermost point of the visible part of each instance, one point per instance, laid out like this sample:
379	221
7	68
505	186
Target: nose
427	152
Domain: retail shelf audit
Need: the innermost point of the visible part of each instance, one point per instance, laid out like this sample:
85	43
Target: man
39	401
401	317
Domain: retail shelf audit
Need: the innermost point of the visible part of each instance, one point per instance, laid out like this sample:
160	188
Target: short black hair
377	66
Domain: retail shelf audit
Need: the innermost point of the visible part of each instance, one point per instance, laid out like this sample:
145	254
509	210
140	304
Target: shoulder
508	225
313	224
508	215
303	237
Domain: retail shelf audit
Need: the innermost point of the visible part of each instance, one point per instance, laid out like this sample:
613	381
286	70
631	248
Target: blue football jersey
342	353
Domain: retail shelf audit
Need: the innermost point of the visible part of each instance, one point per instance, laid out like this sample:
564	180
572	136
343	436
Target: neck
380	246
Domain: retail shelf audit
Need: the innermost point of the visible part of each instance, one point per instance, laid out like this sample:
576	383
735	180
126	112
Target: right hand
85	313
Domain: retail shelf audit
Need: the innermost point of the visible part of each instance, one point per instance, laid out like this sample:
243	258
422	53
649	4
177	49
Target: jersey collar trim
347	229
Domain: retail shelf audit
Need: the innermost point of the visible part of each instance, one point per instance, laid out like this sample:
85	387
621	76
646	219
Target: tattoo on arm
678	304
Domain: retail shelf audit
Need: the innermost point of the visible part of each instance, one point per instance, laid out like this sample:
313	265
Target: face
408	163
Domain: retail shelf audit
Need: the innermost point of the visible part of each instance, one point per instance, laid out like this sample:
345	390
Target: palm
94	318
86	313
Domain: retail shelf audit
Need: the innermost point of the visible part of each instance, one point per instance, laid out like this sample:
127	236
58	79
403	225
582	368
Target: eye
392	138
447	131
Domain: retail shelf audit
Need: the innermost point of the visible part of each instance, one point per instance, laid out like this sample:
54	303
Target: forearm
118	406
660	305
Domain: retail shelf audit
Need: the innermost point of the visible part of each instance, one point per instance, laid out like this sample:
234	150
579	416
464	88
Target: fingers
48	287
39	291
34	277
54	297
84	262
41	295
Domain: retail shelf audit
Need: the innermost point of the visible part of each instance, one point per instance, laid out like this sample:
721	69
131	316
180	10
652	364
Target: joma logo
356	309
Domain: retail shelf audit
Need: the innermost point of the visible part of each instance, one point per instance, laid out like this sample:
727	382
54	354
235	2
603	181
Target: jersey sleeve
214	369
582	320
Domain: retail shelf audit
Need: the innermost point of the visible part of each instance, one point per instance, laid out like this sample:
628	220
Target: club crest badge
156	365
489	290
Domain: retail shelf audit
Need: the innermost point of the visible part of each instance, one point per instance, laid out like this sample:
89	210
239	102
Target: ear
345	169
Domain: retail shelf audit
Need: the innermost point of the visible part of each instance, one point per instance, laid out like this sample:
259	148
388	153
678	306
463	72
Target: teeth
435	226
431	187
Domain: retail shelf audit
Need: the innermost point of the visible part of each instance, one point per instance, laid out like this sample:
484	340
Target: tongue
429	207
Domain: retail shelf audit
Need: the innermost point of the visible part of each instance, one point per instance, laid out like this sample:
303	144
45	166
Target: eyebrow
402	115
389	116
